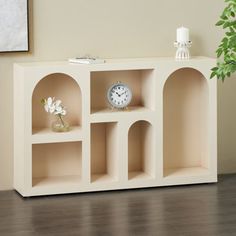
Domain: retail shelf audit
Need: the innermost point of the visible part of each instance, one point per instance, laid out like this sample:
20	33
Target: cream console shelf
166	137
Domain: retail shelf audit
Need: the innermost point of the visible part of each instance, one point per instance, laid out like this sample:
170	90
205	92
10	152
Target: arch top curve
56	76
186	72
145	121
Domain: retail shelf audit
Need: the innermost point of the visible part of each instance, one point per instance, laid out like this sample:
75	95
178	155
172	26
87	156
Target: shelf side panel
19	122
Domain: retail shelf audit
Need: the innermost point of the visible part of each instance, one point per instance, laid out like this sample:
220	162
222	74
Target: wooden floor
202	210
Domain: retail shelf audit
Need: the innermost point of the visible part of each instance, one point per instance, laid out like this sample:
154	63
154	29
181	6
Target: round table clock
119	95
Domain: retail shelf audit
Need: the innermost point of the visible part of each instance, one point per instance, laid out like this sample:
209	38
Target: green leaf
226	24
229	34
219	52
214	69
223	17
213	74
221	22
43	101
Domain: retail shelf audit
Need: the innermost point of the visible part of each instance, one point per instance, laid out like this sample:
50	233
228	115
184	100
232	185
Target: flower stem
62	122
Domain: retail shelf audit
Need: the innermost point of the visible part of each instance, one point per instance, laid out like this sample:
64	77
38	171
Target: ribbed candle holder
182	52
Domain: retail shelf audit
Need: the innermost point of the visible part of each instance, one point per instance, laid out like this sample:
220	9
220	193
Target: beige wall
112	29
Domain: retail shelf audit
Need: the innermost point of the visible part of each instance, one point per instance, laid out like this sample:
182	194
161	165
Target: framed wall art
14	35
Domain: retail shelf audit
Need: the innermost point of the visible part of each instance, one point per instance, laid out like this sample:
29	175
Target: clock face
119	95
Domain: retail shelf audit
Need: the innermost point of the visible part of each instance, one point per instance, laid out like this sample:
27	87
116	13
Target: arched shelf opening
185	128
140	151
63	87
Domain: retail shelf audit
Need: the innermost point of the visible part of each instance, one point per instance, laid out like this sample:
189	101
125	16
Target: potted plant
226	51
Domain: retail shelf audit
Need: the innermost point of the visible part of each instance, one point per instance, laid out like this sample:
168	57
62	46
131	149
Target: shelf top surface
146	61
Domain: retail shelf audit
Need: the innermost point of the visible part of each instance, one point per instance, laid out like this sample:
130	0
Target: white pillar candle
182	35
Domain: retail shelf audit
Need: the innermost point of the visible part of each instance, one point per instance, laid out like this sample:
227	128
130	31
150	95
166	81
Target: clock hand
122	93
118	94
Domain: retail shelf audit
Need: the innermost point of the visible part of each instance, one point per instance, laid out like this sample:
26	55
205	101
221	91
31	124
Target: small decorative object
182	44
14	26
119	95
56	108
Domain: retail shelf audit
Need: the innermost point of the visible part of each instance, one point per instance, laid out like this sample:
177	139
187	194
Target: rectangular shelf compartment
141	82
56	164
140	151
104	153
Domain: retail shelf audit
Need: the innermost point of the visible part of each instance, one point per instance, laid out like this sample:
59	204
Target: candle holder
182	52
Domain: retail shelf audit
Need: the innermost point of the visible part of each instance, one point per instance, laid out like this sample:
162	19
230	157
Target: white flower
57	103
58	110
49	106
54	107
63	112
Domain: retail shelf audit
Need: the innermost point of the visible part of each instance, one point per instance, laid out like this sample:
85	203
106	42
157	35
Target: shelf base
97	178
180	172
56	181
138	175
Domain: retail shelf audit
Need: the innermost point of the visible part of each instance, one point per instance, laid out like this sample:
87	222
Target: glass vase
60	125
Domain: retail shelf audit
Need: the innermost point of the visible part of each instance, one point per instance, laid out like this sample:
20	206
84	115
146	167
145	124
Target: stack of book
86	60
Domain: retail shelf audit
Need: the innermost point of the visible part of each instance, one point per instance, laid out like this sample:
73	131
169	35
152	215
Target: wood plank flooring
201	210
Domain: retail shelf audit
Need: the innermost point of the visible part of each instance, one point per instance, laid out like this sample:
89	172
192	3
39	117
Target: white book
86	60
